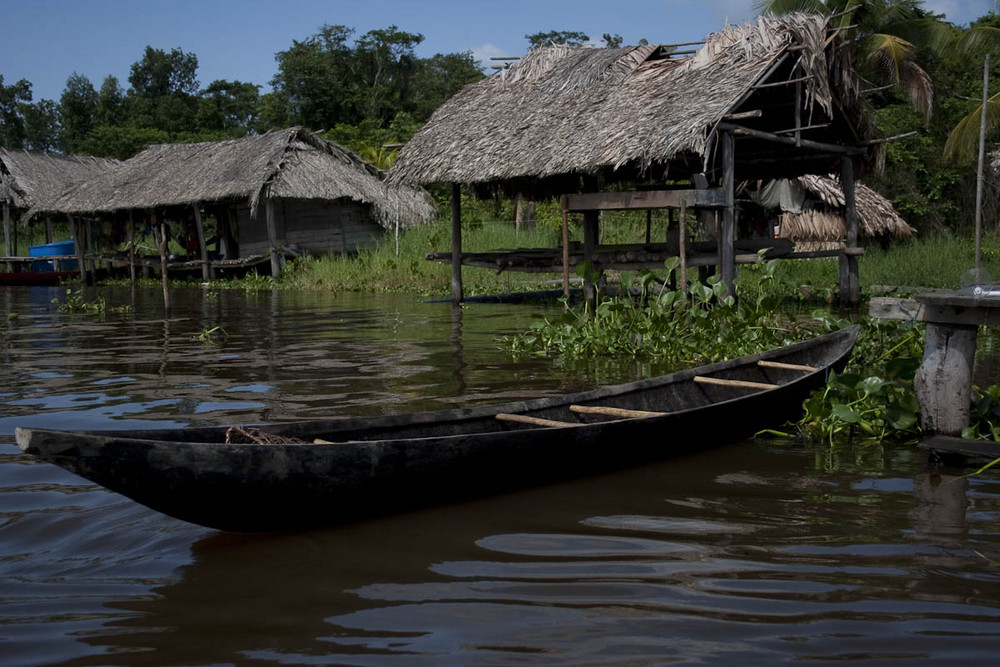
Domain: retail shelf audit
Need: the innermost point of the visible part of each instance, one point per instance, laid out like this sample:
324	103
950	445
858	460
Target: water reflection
751	553
718	559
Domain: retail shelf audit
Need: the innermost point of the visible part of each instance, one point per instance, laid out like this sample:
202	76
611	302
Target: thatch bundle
289	163
33	179
579	110
876	215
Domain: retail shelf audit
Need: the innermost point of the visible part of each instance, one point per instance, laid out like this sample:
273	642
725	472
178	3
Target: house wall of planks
314	227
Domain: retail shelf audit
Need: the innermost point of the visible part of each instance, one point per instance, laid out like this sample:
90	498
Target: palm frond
963	142
889	52
782	7
977	41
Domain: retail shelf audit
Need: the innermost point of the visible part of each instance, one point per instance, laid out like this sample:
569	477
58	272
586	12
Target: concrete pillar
943	383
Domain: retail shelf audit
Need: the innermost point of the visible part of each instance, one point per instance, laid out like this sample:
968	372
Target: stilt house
283	192
30	179
656	126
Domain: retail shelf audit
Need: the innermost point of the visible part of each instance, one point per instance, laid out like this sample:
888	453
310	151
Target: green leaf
844	413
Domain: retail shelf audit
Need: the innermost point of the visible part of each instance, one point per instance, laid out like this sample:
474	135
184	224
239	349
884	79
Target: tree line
922	78
365	90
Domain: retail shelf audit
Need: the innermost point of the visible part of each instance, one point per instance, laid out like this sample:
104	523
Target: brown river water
755	553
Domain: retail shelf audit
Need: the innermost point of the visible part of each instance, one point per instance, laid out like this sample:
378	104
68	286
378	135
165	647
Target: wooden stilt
201	241
272	238
74	228
727	255
131	249
456	243
850	288
565	248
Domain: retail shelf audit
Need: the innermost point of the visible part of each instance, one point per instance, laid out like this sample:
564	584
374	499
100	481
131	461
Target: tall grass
944	262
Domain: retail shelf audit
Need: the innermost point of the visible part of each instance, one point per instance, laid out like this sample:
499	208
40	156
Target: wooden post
48	229
160	223
591	234
201	241
88	230
979	167
131	248
6	232
456	243
682	247
272	238
727	254
649	224
943	383
565	248
74	228
850	289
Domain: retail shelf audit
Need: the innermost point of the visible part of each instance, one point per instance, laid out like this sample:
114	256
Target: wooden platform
981	449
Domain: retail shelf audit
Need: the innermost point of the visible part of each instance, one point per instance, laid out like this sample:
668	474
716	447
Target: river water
757	553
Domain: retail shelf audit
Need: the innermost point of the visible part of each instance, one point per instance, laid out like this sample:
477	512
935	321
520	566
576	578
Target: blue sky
45	41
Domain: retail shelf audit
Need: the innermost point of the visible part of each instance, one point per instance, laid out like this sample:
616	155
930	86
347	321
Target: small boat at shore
302	474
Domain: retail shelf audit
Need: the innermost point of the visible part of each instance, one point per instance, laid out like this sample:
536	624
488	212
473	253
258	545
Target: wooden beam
739	130
723	382
621	413
775	84
764	363
644	199
456	243
7	250
534	421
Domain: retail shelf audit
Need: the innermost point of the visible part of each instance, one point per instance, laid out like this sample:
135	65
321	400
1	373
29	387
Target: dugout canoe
328	471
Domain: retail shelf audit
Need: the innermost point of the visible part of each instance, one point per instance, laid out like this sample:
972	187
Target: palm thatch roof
290	163
33	178
876	215
626	112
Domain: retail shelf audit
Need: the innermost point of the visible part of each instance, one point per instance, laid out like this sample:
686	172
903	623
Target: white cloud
731	11
482	54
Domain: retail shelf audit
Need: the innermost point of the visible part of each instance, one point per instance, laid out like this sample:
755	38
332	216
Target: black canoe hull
386	464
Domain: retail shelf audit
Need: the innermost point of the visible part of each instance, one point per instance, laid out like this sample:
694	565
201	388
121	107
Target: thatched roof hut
32	178
813	212
283	192
289	164
643	112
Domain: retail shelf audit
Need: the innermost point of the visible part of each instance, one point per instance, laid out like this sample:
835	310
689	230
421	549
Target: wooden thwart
788	367
534	421
613	412
723	382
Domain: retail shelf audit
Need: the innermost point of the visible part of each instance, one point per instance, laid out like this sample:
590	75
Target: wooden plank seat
723	382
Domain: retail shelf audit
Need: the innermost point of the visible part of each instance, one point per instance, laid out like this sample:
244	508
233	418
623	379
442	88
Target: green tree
982	37
164	90
612	40
229	107
315	81
77	112
571	37
13	97
438	78
110	108
385	61
41	125
886	36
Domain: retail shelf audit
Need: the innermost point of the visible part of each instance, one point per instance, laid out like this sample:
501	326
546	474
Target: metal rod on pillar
456	243
979	168
727	236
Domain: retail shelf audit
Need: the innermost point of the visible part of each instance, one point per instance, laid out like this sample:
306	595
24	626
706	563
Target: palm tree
885	35
976	41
